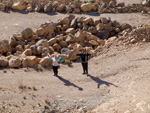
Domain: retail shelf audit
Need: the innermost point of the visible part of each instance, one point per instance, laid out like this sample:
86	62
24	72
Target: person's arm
79	54
49	56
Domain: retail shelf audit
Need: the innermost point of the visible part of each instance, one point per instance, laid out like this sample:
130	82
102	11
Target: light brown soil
118	81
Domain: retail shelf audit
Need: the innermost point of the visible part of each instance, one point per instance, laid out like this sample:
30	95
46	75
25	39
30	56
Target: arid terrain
118	80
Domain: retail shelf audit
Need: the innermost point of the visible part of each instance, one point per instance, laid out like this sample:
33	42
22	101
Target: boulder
78	47
125	26
3	61
74	23
15	62
28	52
17	36
12	42
103	34
4	46
40	31
94	43
70	30
86	7
2	7
88	21
88	49
33	49
65	21
30	61
70	39
29	8
19	48
77	10
112	4
52	41
71	46
43	43
39	50
56	47
79	36
65	51
92	30
146	3
63	43
96	22
100	26
92	37
104	20
27	33
121	4
108	27
38	7
48	8
50	27
45	51
115	24
51	50
46	62
60	8
72	55
68	9
108	1
19	6
34	37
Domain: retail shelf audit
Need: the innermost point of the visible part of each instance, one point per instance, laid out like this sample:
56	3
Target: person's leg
86	68
83	66
54	70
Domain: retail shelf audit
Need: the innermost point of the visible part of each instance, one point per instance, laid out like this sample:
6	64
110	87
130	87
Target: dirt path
118	77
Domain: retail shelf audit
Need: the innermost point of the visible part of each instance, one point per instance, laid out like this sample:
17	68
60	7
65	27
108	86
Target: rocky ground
118	81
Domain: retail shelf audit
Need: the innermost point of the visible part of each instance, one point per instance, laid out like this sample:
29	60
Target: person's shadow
68	83
100	82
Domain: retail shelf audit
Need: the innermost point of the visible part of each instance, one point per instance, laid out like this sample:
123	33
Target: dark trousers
85	67
55	70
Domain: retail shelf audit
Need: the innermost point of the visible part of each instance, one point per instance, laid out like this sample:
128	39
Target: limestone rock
70	30
15	62
94	43
48	8
4	46
30	61
19	6
40	31
52	41
86	7
27	52
43	43
45	62
27	33
3	61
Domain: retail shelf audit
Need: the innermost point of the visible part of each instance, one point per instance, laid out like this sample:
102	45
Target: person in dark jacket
84	60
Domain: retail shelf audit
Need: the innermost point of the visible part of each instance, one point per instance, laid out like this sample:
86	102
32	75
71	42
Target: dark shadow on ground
100	82
68	83
93	14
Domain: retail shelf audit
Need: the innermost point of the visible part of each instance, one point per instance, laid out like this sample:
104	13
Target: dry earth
118	81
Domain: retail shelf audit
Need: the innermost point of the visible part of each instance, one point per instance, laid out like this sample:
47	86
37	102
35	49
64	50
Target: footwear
83	73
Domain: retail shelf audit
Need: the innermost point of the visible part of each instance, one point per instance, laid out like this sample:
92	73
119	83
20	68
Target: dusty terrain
118	81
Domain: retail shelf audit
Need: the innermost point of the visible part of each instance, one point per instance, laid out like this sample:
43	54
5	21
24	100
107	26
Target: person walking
55	64
84	60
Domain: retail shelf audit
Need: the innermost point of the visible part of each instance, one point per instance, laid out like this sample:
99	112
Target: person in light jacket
55	64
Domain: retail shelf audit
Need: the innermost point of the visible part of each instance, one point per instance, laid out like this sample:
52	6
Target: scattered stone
19	6
15	62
